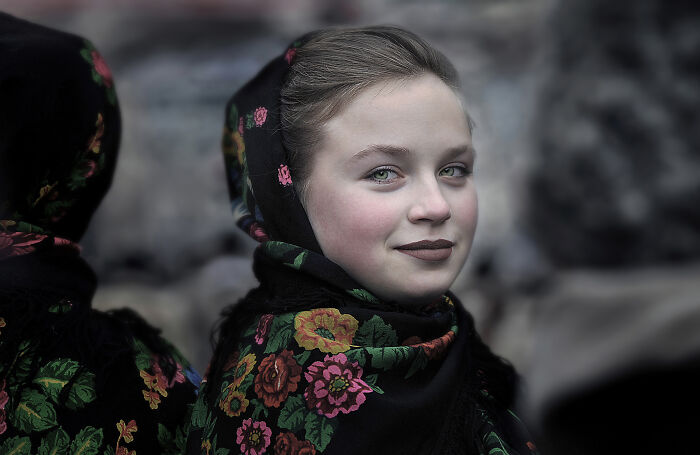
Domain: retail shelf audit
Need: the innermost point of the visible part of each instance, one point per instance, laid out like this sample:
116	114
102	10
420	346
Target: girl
350	159
72	379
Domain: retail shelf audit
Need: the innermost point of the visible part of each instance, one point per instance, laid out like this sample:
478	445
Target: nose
429	204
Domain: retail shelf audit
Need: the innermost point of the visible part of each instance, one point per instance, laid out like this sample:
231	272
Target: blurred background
587	255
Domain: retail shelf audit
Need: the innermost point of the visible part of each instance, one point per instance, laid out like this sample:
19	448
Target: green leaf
19	445
33	413
357	355
363	295
319	430
389	358
53	376
259	409
376	333
371	380
165	437
246	383
419	362
281	331
293	413
55	443
299	260
303	357
252	329
142	359
108	450
82	392
87	442
199	412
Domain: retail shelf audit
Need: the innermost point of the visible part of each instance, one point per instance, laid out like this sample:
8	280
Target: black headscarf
59	135
311	362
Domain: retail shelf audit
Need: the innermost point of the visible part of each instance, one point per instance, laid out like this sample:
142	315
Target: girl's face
390	196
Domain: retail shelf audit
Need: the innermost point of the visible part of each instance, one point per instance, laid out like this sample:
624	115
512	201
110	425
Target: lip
428	250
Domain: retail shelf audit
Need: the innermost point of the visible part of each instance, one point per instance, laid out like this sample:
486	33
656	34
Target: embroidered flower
324	329
437	347
2	324
101	68
263	328
18	243
126	430
206	445
155	382
94	143
290	54
4	398
233	402
283	175
124	451
240	126
258	232
278	375
335	385
253	437
288	444
260	115
243	368
152	398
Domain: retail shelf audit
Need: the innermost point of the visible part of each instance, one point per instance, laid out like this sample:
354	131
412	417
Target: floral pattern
253	437
287	444
101	73
324	329
283	175
278	375
335	385
263	328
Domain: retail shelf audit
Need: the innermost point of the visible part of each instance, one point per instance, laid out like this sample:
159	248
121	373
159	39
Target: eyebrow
402	151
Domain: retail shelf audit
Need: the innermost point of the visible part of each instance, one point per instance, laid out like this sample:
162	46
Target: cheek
351	226
466	213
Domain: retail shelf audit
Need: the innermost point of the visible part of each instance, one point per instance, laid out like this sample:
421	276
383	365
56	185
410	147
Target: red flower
18	243
263	328
278	375
258	232
126	430
101	68
288	444
438	347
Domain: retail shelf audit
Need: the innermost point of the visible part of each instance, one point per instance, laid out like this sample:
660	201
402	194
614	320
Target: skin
395	167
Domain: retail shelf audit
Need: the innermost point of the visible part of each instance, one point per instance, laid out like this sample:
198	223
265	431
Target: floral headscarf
59	135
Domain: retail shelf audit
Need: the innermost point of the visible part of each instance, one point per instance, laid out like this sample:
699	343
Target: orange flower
233	403
126	430
152	398
155	382
325	329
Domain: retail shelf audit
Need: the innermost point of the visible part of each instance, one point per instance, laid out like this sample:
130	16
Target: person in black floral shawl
72	379
349	157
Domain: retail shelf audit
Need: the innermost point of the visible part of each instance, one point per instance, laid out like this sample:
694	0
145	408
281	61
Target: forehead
417	112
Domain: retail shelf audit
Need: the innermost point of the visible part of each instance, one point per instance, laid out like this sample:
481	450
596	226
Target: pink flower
263	328
253	437
240	126
4	398
101	68
335	385
289	56
18	243
90	167
258	232
283	175
260	116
